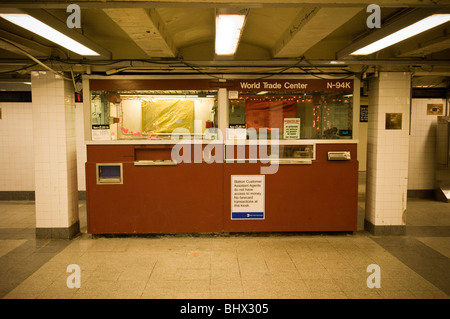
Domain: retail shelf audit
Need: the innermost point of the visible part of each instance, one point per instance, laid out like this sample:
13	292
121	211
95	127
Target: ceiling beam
309	27
303	17
146	28
30	46
432	41
16	48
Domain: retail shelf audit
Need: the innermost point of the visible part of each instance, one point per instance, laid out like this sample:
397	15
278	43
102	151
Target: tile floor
268	266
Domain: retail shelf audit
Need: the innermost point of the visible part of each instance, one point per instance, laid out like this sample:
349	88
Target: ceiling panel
265	26
189	26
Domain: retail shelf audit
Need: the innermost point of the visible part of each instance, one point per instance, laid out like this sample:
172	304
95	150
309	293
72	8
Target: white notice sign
247	196
101	132
291	128
233	95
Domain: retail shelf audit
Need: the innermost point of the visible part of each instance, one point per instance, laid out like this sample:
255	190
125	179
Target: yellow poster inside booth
166	115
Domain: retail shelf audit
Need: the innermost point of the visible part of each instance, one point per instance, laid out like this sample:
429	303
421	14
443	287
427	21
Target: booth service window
312	115
165	115
153	114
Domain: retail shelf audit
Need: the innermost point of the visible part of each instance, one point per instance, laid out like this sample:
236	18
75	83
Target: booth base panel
196	197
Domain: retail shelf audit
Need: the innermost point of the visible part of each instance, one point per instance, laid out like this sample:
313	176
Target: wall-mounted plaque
393	121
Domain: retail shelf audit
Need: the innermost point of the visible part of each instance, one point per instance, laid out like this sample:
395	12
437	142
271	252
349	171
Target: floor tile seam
243	287
370	254
148	279
43	286
344	258
239	266
351	275
292	261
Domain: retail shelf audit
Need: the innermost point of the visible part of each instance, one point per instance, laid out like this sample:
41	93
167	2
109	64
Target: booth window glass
153	114
314	115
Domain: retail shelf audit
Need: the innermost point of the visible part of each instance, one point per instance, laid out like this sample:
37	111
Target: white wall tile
422	141
17	159
387	167
16	141
53	149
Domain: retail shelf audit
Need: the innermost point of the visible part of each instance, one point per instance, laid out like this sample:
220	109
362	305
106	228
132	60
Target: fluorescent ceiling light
34	25
405	33
228	32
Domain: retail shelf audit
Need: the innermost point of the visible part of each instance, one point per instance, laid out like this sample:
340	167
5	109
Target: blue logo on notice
251	215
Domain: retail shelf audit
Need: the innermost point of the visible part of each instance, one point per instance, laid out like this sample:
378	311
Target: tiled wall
387	150
17	151
55	157
16	144
422	144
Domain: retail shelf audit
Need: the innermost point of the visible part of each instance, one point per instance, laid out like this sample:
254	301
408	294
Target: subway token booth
210	156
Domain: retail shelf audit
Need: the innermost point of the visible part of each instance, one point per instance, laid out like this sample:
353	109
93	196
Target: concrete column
56	189
388	153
